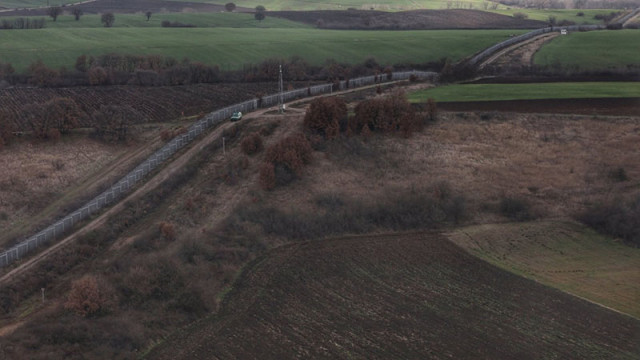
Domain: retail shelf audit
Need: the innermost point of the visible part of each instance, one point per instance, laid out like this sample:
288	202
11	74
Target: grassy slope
564	255
397	296
592	50
492	92
564	14
228	20
237	47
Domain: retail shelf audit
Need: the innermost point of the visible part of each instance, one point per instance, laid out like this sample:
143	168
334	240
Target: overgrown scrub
284	160
401	210
53	118
112	122
617	218
6	129
324	117
252	143
390	114
516	209
89	296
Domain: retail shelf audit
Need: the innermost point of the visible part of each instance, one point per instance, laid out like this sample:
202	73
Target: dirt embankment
405	20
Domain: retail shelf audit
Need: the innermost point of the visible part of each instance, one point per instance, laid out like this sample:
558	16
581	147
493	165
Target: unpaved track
520	53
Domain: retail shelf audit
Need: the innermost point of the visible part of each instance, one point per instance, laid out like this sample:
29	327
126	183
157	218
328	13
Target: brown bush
53	118
252	143
42	75
6	129
97	76
390	114
324	115
89	296
432	110
267	176
167	230
292	152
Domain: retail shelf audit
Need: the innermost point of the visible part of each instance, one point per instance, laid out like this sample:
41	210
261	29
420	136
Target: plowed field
601	106
154	104
409	296
416	19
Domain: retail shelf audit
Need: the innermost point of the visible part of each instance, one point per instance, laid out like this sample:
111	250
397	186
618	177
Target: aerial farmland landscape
330	179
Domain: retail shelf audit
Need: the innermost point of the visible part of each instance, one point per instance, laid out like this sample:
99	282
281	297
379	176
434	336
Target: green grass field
559	14
592	50
233	48
228	20
563	255
493	92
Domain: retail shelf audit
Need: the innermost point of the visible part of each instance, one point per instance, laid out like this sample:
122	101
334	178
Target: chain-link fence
125	185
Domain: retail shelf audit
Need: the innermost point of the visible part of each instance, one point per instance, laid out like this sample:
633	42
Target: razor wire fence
126	183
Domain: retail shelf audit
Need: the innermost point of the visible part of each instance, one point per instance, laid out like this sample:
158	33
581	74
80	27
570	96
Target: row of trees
107	19
157	70
58	116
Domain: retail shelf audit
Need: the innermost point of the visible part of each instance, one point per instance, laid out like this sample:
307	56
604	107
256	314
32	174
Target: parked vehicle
236	116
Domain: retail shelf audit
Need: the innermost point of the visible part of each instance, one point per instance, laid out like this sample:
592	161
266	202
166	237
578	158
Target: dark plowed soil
415	296
129	7
601	106
153	104
405	20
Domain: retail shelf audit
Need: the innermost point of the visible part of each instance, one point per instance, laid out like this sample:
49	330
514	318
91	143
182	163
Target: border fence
135	176
488	52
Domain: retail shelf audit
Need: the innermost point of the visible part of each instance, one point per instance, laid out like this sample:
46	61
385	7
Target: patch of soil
600	106
406	20
397	296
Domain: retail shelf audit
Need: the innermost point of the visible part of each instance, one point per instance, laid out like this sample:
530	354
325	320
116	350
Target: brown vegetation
252	143
324	116
89	296
284	161
389	114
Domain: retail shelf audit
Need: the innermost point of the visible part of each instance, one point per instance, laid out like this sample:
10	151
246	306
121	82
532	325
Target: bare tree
77	12
230	6
108	19
54	12
148	15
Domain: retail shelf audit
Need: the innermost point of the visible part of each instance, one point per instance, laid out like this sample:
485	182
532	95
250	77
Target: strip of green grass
228	20
233	48
493	92
592	50
559	14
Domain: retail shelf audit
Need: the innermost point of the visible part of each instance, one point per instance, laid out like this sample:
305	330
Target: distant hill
408	20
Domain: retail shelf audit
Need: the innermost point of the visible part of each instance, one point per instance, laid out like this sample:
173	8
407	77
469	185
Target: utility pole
280	91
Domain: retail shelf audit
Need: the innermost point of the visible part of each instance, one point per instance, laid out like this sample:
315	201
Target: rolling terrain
397	296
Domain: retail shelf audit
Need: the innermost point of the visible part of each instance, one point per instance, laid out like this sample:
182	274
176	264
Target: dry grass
563	255
559	164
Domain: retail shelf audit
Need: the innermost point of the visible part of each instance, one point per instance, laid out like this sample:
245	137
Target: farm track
520	53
